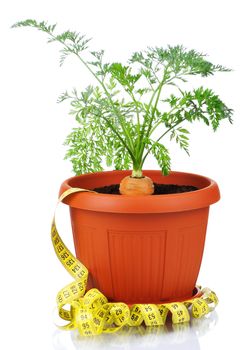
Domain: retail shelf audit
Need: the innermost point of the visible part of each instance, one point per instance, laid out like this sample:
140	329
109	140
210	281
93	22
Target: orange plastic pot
143	249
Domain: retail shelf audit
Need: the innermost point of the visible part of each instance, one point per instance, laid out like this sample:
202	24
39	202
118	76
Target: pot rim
207	194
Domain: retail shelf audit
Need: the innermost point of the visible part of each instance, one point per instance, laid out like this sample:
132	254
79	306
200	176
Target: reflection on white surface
176	337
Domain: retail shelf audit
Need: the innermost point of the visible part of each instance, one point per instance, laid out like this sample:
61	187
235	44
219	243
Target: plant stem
158	90
137	111
127	134
157	99
172	127
161	121
137	173
141	144
137	144
120	138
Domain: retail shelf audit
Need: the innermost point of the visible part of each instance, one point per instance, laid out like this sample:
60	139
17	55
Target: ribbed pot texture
143	249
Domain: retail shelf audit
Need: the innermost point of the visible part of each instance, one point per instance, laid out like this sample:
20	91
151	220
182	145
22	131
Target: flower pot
143	249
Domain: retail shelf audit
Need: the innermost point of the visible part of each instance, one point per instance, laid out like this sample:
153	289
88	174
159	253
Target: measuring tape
91	313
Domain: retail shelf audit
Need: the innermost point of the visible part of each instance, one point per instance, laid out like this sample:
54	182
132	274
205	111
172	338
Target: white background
33	128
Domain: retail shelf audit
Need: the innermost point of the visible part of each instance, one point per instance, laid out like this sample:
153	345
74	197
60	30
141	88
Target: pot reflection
175	337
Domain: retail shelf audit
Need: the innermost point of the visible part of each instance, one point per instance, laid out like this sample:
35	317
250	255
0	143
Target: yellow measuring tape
91	313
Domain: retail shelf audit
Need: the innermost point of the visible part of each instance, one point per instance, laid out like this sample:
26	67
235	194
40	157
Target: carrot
134	186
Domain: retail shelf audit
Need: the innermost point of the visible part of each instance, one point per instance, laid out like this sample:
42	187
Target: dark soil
158	189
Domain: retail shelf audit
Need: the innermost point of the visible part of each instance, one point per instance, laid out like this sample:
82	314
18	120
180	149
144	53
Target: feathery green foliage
119	117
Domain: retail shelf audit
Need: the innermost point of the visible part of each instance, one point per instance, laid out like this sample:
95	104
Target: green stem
126	133
141	144
119	137
172	127
158	89
157	99
137	173
137	112
131	94
138	122
161	121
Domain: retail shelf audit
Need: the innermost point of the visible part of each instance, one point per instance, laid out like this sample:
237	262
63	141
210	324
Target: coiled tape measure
91	313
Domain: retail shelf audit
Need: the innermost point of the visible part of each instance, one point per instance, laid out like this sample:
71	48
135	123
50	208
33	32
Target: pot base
197	293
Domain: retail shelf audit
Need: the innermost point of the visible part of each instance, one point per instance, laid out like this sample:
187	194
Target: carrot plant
131	113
